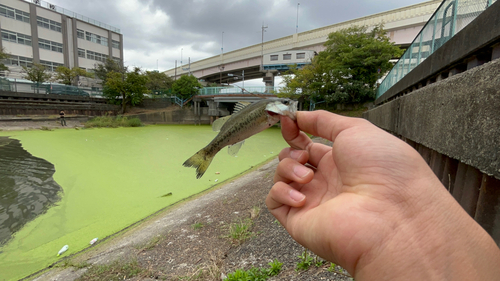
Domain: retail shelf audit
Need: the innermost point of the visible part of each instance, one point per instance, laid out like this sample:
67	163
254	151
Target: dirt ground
15	123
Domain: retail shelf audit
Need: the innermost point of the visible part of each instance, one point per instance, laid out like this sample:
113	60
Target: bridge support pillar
269	79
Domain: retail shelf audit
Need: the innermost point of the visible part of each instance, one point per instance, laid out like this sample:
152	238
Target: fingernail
301	171
296	196
295	154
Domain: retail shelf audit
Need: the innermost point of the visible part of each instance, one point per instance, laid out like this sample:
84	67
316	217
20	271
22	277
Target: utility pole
262	51
175	75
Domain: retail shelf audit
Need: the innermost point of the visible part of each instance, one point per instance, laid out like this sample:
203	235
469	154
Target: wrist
436	240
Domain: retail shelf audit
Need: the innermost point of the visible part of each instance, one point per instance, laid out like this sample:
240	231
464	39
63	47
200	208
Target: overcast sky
155	31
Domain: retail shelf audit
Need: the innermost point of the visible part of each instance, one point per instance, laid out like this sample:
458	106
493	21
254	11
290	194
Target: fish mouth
283	107
272	114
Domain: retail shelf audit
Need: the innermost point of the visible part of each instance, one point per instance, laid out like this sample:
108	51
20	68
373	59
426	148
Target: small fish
166	195
234	129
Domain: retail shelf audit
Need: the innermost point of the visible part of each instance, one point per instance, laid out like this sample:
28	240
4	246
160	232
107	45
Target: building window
117	60
49	24
19	61
50	66
96	38
287	56
115	44
80	34
7	12
16	37
81	53
14	14
96	56
301	56
274	57
22	16
50	45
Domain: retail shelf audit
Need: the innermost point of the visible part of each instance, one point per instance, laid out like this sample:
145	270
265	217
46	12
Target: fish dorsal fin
233	149
217	124
240	105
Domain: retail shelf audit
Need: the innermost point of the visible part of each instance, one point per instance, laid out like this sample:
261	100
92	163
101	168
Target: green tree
348	69
68	76
101	70
186	86
158	81
37	74
130	86
302	82
3	55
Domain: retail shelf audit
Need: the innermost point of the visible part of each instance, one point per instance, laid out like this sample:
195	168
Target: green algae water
112	178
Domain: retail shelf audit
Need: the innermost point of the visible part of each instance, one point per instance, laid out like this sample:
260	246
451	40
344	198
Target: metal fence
451	17
25	86
213	91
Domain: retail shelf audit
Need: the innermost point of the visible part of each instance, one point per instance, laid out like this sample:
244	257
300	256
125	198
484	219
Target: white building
34	31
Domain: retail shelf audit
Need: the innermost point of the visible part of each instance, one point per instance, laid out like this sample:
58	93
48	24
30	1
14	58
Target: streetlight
221	67
236	78
297	26
262	51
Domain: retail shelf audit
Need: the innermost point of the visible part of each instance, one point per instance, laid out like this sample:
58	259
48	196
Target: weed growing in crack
240	231
197	225
255	273
305	261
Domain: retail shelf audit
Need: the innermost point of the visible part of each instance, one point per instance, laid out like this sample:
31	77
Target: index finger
293	136
324	124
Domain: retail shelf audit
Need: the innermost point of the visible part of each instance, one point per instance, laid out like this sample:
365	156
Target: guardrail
214	91
451	17
73	14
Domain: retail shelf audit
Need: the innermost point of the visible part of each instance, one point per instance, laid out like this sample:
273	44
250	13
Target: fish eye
285	102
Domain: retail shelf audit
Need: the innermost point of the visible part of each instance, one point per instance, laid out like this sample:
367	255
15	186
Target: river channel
66	187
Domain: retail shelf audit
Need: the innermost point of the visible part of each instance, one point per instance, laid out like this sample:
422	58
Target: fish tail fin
201	160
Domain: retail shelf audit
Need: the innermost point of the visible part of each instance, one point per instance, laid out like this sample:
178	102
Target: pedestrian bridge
402	26
228	91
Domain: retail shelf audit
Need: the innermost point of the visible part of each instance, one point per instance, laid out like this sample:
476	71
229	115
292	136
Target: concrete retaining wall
179	116
458	117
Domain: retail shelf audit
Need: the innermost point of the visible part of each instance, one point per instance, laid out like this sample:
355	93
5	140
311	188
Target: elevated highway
402	25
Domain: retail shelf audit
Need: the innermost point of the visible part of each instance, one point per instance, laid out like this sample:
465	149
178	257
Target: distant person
61	116
371	204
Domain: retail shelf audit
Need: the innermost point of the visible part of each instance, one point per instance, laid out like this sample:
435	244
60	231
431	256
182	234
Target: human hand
369	203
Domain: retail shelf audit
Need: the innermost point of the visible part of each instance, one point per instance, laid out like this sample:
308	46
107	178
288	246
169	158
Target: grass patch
113	272
69	263
240	231
44	128
209	272
150	244
197	225
255	212
113	122
256	274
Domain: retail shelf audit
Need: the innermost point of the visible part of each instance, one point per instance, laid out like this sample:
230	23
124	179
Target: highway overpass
402	25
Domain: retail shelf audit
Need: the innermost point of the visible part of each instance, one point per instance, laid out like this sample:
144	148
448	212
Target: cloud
158	29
